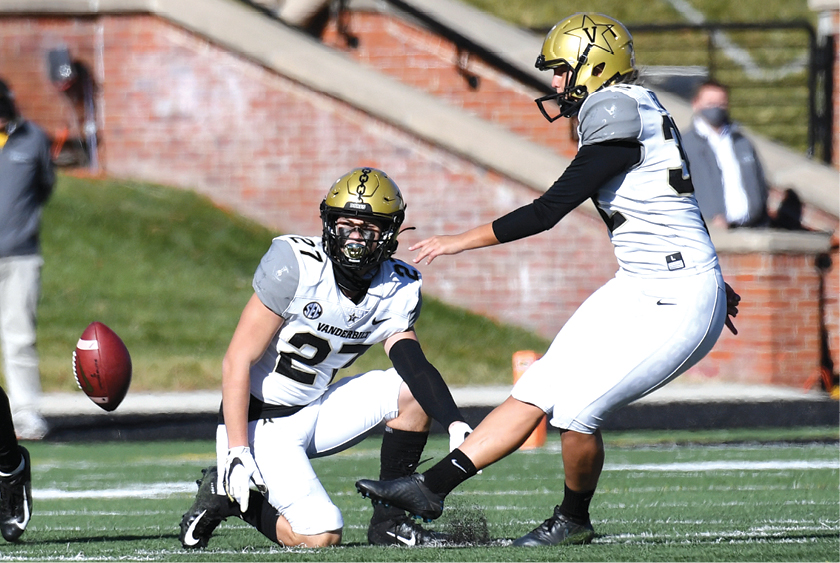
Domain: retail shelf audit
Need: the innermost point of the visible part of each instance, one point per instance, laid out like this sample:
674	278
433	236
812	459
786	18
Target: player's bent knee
287	537
313	523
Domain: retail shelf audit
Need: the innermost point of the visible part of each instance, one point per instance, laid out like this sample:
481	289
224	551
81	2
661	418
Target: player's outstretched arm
430	248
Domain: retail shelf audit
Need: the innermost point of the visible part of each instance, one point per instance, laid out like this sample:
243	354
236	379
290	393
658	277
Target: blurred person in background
26	182
729	181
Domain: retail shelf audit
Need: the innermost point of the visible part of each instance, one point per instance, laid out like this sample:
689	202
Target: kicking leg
499	434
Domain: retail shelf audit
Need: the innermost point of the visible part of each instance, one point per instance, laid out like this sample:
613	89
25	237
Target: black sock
398	457
575	505
10	455
449	472
261	515
400	453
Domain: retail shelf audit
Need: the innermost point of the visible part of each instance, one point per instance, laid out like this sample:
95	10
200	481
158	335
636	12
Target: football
102	366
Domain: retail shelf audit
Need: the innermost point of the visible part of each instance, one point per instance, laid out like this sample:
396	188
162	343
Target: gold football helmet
368	194
596	49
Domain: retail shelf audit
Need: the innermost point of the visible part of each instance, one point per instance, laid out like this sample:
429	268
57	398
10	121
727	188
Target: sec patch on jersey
102	366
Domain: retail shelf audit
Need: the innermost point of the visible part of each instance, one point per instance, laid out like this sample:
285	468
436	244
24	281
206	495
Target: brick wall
778	336
179	110
24	45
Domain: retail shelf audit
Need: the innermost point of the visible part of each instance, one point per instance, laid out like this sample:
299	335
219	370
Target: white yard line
693	466
165	489
146	490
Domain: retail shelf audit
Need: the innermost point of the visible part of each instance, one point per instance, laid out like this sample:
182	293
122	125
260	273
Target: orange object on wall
522	360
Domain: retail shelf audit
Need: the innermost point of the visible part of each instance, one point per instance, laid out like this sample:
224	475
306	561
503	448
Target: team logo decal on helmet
595	50
368	194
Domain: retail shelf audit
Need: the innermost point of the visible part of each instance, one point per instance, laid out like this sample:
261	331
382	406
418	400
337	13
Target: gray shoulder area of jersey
609	115
277	277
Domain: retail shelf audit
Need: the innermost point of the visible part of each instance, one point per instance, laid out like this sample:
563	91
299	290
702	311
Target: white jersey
653	217
323	331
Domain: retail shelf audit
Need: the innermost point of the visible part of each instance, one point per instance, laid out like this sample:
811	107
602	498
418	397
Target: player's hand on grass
240	471
732	300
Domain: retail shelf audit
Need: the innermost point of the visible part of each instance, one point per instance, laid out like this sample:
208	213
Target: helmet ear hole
598	70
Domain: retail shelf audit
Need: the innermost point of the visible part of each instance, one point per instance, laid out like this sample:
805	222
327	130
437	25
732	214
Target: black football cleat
16	500
206	513
403	531
408	493
557	530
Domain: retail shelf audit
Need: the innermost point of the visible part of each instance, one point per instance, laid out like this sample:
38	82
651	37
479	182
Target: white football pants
282	447
627	339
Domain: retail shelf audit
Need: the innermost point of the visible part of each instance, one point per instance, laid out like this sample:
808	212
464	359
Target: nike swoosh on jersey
188	537
379	321
407	541
665	302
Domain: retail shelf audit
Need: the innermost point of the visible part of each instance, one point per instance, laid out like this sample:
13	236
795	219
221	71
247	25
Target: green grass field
719	496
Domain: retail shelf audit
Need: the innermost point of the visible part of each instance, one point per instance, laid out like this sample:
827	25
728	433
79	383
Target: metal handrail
466	44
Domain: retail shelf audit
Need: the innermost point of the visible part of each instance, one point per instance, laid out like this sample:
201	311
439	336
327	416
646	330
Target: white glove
458	432
240	471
